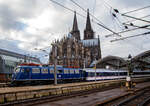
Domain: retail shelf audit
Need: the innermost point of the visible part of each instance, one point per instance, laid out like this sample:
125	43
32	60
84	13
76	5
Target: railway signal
130	71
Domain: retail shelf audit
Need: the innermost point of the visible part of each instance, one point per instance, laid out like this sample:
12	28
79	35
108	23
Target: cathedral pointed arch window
73	49
64	49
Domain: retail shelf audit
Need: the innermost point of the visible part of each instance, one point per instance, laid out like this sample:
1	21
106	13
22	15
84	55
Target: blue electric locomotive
30	74
36	74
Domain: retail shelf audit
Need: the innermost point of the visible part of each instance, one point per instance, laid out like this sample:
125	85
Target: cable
86	11
136	10
145	26
130	37
136	20
100	23
139	27
107	4
85	17
94	9
67	8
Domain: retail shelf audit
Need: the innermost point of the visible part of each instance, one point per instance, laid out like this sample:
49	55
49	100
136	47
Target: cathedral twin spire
88	22
75	31
75	24
88	32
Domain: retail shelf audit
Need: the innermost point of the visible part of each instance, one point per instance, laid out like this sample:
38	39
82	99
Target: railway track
133	98
53	94
34	101
4	85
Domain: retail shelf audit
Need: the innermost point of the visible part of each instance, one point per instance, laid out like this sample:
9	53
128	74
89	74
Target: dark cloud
12	13
19	15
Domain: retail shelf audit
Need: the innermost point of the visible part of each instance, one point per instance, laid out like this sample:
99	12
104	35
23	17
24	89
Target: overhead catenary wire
100	23
136	20
116	11
67	8
123	38
94	6
84	17
138	27
136	10
145	26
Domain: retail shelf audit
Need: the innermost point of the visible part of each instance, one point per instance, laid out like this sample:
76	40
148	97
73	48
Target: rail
27	95
127	98
145	102
52	92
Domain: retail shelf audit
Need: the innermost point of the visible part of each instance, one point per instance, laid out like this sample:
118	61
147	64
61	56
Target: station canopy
111	62
141	61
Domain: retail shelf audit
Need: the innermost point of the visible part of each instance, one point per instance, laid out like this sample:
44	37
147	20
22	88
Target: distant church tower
88	32
75	31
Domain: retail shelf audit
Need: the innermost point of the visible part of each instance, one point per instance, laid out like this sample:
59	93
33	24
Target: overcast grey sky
29	24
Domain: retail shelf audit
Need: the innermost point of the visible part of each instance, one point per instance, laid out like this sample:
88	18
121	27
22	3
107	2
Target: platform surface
91	99
51	86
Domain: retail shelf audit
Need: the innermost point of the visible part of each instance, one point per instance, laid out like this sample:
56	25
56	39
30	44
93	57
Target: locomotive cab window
17	70
25	70
22	70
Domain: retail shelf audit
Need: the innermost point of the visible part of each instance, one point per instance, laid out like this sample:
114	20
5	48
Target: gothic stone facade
74	52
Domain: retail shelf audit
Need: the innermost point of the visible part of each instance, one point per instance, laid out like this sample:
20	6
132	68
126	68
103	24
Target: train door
82	74
59	73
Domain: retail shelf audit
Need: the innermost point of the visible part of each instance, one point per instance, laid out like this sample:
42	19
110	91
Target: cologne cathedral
72	51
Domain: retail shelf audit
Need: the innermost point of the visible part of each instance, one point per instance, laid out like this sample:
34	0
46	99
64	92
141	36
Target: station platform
10	94
67	85
94	98
51	86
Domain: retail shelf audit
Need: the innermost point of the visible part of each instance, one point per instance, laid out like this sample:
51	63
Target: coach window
51	71
60	71
71	71
77	71
66	72
45	70
98	74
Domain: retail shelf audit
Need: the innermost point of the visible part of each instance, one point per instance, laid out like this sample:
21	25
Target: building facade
72	51
9	60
